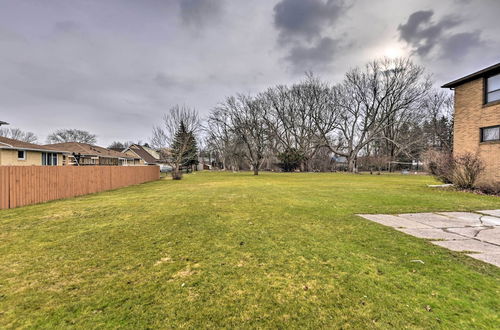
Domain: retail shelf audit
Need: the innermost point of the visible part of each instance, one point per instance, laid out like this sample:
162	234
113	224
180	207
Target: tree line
385	111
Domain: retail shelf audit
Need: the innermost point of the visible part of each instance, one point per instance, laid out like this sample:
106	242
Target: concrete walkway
476	233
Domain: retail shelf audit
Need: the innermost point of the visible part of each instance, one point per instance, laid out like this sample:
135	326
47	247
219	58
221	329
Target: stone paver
439	221
432	233
471	245
394	221
491	235
495	213
491	258
473	218
470	232
477	232
490	221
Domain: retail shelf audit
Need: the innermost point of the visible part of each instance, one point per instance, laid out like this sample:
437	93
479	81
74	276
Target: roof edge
476	75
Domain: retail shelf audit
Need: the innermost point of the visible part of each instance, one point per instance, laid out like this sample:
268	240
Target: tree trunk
352	164
176	173
255	169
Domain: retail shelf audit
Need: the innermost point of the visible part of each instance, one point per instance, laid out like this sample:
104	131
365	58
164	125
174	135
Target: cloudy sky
113	67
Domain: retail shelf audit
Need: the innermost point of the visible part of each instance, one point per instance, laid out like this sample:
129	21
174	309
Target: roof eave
493	69
33	149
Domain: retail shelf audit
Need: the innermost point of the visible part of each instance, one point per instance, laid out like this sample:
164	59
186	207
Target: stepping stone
393	221
470	232
490	221
436	220
491	258
469	245
468	218
495	213
490	235
432	233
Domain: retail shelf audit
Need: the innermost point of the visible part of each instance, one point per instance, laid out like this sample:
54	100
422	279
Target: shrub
440	164
463	170
290	159
467	168
490	188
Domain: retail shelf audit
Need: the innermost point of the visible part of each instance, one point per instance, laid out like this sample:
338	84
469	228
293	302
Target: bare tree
72	135
244	117
223	141
293	116
17	134
369	100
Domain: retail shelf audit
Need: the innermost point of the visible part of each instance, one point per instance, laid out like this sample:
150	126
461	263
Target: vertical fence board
25	185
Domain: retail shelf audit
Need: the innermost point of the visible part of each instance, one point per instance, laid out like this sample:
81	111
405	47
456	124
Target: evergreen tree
184	151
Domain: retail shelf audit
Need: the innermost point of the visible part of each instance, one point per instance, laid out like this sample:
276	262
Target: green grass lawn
235	250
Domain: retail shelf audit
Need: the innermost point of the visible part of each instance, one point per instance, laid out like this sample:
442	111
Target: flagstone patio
476	233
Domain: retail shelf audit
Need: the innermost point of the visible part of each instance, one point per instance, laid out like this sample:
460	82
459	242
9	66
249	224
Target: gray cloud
298	19
199	13
421	33
304	28
313	58
459	45
114	67
425	36
67	26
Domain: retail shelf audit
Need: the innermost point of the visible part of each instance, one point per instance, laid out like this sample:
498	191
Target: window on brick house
490	134
493	88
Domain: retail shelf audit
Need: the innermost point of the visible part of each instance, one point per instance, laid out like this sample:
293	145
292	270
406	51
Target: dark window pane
21	154
494	83
493	96
491	133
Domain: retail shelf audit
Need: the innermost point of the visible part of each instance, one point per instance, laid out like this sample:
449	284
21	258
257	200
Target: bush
290	159
468	167
463	171
440	165
490	188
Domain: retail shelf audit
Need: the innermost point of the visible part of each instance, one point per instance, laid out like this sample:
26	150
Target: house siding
470	116
9	157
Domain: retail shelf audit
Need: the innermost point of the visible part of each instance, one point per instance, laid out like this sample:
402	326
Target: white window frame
50	159
24	155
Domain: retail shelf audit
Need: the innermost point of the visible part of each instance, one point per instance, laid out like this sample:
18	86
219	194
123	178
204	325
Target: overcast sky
114	67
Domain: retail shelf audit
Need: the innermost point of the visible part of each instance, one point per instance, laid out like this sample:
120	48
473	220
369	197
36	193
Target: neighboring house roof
89	150
142	153
3	123
6	143
481	73
117	149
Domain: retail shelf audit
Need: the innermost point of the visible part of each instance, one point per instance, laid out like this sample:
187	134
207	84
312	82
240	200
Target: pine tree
184	151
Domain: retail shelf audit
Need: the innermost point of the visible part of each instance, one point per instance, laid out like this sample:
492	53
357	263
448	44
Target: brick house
477	118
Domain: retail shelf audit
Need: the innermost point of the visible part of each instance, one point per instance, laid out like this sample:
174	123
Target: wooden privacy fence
25	185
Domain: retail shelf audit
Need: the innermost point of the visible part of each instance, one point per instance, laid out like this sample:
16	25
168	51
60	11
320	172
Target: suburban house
148	155
87	154
15	152
477	118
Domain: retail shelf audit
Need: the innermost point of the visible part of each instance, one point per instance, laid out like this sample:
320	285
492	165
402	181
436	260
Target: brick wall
470	115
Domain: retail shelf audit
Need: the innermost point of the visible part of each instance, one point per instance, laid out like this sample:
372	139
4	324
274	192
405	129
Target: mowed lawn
235	250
